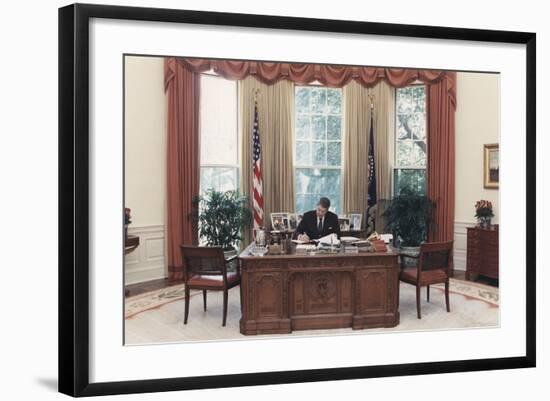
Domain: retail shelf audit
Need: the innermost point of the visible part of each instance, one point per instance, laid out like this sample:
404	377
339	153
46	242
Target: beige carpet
157	316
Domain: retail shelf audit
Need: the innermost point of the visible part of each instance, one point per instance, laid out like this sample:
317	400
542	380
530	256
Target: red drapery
441	155
183	91
182	85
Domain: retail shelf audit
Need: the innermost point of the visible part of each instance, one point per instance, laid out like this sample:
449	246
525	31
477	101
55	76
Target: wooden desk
281	293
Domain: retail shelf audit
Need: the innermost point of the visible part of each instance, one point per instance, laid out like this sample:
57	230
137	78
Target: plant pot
405	251
229	252
484	222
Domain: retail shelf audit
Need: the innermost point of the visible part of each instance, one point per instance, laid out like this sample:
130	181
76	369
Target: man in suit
318	223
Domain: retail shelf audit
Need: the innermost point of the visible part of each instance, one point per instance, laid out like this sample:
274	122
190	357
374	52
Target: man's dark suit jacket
308	225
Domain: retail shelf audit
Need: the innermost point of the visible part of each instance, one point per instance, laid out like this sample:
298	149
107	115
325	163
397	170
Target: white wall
477	123
145	165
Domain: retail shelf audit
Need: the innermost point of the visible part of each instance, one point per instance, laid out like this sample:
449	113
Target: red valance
329	75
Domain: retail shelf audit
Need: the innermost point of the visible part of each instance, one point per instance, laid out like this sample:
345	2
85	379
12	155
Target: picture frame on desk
355	221
280	221
93	359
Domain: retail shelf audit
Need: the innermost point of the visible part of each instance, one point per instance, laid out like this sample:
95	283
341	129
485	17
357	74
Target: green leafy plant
221	217
409	215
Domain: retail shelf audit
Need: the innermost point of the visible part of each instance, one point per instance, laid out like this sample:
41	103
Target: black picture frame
74	198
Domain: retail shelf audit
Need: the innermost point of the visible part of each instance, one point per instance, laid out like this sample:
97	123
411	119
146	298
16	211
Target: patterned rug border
157	298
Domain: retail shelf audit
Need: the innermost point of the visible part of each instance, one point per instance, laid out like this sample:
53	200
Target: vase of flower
484	213
127	221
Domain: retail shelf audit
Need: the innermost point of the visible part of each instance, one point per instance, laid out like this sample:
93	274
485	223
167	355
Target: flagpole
370	212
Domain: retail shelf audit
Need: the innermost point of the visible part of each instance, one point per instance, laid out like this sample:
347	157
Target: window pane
411	99
318	101
334	101
218	121
410	147
411	153
302	127
219	178
303	154
334	127
319	154
312	183
411	126
302	100
415	179
319	127
334	153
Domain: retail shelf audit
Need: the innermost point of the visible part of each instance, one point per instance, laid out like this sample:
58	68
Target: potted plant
484	213
408	216
221	218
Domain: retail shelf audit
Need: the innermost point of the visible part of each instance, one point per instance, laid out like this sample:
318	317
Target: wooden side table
482	252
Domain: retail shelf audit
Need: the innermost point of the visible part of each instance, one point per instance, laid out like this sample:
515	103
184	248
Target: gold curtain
384	134
356	144
357	120
275	115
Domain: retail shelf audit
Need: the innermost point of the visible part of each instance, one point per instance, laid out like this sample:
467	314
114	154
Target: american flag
258	196
371	202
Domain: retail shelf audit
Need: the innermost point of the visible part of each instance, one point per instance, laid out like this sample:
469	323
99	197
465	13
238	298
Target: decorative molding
460	244
147	262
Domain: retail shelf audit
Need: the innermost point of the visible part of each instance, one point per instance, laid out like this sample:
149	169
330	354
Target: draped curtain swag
183	90
301	74
182	86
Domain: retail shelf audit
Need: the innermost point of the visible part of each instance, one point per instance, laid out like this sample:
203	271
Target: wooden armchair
433	267
205	268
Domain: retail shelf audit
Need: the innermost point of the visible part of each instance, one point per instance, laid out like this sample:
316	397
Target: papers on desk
386	238
331	239
349	239
297	241
302	249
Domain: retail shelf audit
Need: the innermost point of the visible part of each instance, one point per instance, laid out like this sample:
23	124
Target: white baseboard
147	262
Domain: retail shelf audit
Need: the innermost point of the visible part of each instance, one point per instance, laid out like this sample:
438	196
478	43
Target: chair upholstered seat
213	281
432	267
204	269
409	274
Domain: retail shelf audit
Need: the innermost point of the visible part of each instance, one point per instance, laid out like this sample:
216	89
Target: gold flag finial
371	101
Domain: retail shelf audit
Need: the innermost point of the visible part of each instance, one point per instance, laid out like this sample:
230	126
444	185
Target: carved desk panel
281	293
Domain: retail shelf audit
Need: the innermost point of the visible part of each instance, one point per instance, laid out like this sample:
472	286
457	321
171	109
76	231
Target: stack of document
331	239
302	249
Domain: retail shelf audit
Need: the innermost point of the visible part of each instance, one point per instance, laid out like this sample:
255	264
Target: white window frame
396	139
326	141
236	166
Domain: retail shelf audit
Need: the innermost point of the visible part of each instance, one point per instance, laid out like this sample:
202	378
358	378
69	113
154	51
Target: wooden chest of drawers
482	253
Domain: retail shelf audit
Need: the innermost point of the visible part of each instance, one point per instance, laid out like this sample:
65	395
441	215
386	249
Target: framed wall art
490	165
143	107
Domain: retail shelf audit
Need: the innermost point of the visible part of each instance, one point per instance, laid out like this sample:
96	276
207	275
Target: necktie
320	226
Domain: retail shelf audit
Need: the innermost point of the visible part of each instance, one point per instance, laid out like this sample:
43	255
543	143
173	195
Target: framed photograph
137	91
293	221
344	222
355	221
280	221
491	164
